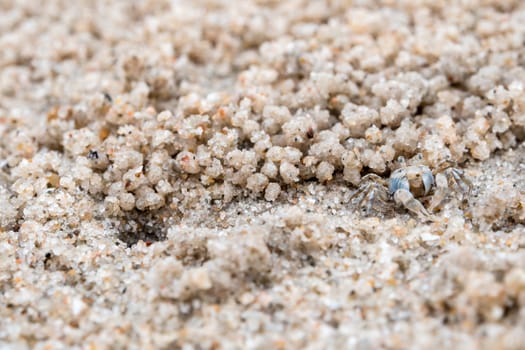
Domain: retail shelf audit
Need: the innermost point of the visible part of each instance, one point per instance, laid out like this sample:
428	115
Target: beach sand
188	174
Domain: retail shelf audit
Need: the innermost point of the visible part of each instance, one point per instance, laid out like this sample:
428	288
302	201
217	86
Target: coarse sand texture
214	174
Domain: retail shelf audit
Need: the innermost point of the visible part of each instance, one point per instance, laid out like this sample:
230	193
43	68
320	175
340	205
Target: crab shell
417	179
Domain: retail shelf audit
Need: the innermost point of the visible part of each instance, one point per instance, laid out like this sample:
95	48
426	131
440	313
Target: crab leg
440	192
369	199
376	195
375	178
460	180
372	191
359	192
365	187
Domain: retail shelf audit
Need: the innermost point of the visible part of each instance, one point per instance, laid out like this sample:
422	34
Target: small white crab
408	183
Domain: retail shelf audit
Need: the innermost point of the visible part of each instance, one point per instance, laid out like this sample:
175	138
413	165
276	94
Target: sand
214	174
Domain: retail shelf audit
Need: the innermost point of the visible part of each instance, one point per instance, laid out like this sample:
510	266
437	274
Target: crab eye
401	161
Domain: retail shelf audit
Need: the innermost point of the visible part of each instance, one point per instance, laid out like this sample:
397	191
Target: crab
408	184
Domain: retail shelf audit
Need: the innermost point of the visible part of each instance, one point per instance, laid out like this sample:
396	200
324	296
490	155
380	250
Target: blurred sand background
179	174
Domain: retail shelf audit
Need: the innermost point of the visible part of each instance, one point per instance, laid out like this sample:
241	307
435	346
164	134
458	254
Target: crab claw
406	199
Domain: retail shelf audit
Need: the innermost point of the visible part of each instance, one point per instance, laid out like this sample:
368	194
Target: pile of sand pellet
182	174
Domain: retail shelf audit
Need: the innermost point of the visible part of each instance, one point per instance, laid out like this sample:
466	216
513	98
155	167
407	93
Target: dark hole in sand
148	226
